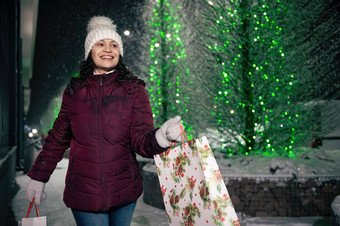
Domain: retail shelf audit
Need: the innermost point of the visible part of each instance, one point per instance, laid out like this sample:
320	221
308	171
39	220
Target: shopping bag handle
30	207
183	133
173	144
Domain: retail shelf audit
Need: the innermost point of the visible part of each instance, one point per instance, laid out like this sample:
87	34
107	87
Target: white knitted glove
169	132
35	189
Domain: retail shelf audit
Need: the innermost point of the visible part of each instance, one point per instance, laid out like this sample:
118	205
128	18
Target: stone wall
284	197
265	195
152	190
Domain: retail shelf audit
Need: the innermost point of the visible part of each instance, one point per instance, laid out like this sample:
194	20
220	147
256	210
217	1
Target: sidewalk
59	215
145	215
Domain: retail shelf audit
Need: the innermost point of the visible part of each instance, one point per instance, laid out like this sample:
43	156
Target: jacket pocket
69	172
134	168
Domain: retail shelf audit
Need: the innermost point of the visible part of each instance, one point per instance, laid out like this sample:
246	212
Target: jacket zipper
100	137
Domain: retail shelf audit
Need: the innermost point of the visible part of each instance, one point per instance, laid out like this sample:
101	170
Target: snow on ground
312	162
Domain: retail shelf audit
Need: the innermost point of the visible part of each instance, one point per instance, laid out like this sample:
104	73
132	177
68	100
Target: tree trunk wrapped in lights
259	54
169	81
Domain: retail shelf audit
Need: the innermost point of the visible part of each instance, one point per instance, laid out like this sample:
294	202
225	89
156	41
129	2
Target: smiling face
105	55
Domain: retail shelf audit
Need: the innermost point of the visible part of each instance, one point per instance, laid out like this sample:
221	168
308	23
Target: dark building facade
10	96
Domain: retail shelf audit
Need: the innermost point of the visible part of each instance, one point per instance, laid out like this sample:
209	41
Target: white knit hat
98	28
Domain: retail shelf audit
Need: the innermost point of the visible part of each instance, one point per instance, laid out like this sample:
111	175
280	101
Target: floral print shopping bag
192	186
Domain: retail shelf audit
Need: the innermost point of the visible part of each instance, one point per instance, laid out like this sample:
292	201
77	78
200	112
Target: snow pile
336	210
314	162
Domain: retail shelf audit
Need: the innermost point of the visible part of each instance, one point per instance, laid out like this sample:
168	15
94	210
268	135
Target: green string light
264	30
167	51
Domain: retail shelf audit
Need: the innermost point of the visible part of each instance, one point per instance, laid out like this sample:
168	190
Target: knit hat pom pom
100	21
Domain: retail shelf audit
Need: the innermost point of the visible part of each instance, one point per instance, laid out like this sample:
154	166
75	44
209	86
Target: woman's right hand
35	189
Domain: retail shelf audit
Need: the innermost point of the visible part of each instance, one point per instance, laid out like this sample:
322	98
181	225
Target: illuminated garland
167	65
252	102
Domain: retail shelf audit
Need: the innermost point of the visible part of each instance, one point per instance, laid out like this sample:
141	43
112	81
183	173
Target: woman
105	118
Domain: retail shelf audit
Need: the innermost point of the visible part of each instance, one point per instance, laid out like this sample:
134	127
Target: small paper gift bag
33	221
192	186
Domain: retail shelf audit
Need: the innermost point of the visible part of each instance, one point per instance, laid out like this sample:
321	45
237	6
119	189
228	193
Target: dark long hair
87	67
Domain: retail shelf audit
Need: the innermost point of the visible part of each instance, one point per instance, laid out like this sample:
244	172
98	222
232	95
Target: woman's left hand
169	132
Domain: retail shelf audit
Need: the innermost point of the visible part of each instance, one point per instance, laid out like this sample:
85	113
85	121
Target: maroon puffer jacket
104	122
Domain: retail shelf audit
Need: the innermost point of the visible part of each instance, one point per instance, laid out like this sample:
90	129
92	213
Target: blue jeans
115	217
